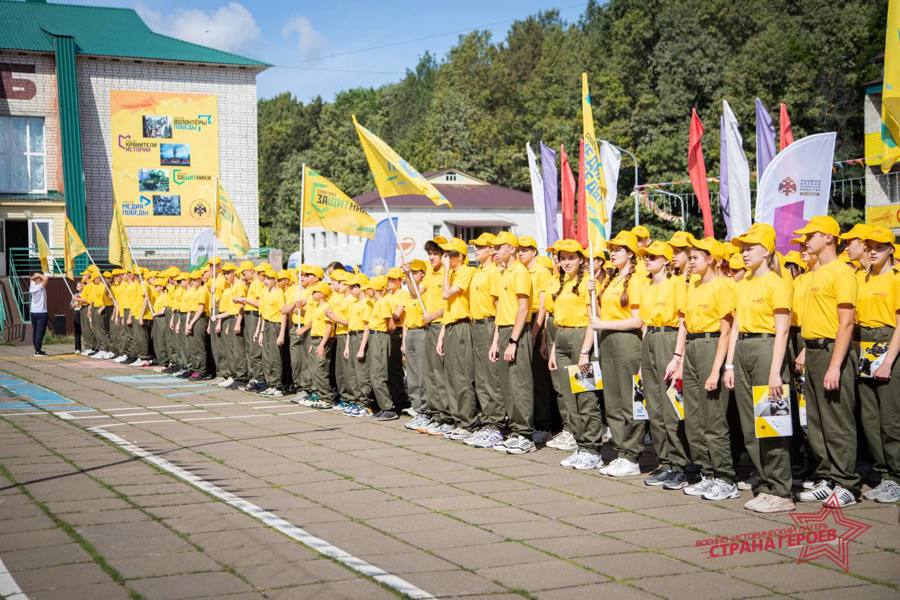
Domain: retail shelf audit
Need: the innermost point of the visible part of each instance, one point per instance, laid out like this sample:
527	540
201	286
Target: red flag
786	137
567	189
697	172
581	230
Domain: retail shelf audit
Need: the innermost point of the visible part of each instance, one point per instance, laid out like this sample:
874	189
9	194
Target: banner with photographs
772	416
165	157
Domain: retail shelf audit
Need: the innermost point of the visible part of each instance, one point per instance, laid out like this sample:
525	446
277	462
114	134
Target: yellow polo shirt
482	303
540	281
270	304
359	309
660	302
227	306
412	313
611	308
381	312
829	286
319	322
801	284
338	304
706	304
757	300
514	281
433	293
572	305
457	307
878	302
254	292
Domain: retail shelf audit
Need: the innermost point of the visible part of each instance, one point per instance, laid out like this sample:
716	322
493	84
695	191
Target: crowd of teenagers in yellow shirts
482	354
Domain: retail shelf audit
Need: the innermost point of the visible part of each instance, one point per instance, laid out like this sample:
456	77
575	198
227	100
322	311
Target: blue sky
326	46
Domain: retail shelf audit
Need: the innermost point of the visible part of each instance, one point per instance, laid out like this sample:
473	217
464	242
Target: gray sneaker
890	492
722	490
517	444
699	488
676	481
873	493
659	477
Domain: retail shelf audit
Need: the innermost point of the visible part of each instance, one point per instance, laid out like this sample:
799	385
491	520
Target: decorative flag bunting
786	136
890	92
73	247
537	198
765	138
594	180
567	188
229	229
697	172
325	205
393	175
551	191
796	186
738	170
581	211
611	159
119	248
43	249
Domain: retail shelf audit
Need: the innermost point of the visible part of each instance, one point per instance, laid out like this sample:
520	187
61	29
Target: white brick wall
236	91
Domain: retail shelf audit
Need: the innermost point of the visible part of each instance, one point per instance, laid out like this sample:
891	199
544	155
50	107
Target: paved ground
81	516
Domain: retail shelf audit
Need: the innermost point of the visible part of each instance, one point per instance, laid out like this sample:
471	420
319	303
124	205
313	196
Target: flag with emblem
119	248
74	247
326	205
229	229
890	93
594	179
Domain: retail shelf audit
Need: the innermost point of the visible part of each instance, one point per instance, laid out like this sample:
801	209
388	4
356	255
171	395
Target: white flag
796	186
738	175
611	158
537	197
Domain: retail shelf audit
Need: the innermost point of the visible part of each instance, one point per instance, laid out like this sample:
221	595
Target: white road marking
272	520
205	418
214	404
70	417
154	421
182	412
22	414
135	414
9	589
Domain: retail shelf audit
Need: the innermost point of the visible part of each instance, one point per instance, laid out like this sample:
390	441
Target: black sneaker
386	415
676	481
171	369
186	375
658	477
236	385
129	360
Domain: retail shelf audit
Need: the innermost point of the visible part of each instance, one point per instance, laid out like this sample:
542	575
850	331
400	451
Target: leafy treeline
649	62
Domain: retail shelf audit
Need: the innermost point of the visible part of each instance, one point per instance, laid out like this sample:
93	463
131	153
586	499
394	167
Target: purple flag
723	176
765	139
551	191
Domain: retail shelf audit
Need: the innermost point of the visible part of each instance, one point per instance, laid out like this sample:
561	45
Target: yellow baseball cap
315	270
417	264
262	267
340	275
820	224
506	237
107	274
395	273
454	245
710	245
284	274
624	239
736	262
323	288
759	233
681	239
640	232
439	239
196	275
377	283
229	267
657	248
181	277
568	245
526	241
858	231
485	239
118	272
880	234
246	264
793	257
545	261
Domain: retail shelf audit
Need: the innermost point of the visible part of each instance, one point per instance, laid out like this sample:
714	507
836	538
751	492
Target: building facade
57	69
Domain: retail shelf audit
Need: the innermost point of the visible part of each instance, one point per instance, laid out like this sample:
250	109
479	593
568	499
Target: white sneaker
78	352
586	461
121	358
410	411
140	363
840	498
489	439
267	392
568	443
749	483
109	355
87	352
226	382
722	490
476	436
605	469
517	444
570	460
809	484
540	437
624	468
700	488
873	493
890	493
276	393
415	422
818	493
441	429
559	439
459	434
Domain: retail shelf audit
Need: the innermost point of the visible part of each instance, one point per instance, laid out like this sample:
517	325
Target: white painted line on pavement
205	418
255	402
9	589
23	414
182	412
214	404
135	414
161	406
180	394
296	412
272	520
154	421
69	417
122	408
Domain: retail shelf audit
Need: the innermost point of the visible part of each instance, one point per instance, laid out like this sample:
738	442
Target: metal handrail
2	313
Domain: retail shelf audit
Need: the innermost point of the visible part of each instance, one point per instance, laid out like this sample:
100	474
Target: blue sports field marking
30	396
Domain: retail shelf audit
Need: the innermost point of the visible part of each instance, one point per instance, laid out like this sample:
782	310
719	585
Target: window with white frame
22	155
46	228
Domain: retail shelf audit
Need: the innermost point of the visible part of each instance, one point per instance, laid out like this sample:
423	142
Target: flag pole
400	249
64	278
102	278
212	301
594	291
300	249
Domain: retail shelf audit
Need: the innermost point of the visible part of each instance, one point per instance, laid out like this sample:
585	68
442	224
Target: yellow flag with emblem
119	248
229	229
594	179
393	175
325	205
74	247
890	92
43	249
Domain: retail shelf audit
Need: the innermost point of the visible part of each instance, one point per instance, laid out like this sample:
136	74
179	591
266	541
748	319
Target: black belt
661	329
817	343
415	328
355	332
315	337
483	321
755	336
707	335
457	322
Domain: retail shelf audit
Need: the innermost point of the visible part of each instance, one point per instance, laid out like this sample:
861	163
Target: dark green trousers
271	354
101	327
196	345
620	361
771	456
666	429
437	388
140	336
543	389
254	351
416	367
459	369
363	390
581	412
88	340
343	368
319	368
395	369
880	412
705	413
236	350
298	357
217	345
518	386
488	388
377	356
158	335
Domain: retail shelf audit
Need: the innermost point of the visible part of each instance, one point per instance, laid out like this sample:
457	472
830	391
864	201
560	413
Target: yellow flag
74	247
594	180
393	175
890	93
325	205
119	248
43	249
229	229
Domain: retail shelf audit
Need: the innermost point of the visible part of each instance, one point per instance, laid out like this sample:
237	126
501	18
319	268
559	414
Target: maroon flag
567	187
581	230
786	136
697	172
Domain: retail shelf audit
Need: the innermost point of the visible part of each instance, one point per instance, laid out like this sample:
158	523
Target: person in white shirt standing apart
38	290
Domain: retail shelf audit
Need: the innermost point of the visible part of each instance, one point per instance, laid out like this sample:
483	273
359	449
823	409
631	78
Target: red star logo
838	551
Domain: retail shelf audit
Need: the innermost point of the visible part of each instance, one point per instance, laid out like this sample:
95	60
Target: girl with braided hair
620	325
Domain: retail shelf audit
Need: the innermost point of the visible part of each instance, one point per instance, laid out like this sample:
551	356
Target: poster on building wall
165	157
